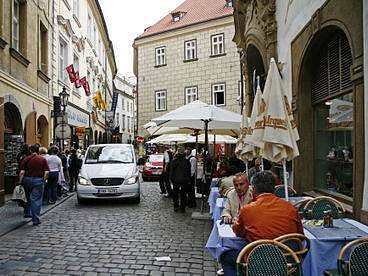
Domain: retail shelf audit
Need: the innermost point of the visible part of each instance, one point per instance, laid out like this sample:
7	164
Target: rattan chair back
299	243
316	207
356	263
280	191
267	257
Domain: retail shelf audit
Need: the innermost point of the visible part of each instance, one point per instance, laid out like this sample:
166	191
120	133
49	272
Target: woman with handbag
34	171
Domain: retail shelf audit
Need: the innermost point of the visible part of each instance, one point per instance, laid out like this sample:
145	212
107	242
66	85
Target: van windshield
109	154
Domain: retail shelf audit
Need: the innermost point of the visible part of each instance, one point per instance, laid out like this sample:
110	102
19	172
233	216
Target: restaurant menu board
13	144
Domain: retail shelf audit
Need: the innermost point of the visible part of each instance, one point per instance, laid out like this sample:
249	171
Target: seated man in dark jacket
180	177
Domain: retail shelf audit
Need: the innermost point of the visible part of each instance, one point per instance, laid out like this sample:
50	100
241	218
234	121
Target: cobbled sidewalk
11	215
110	238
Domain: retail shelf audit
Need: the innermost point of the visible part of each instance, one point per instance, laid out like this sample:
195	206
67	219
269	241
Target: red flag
77	82
71	73
85	84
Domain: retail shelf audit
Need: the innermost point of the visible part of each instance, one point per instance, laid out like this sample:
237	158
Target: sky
126	20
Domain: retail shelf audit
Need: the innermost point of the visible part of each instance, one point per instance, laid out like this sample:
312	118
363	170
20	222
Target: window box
218	55
19	57
190	60
43	76
3	43
158	66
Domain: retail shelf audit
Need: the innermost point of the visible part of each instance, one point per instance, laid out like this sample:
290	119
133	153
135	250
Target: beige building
25	87
187	55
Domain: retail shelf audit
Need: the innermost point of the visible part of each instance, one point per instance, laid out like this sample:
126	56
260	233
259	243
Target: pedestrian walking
75	165
33	174
180	177
65	179
191	156
44	152
56	173
168	158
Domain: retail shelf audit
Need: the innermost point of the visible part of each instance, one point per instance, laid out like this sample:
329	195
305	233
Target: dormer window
176	16
229	3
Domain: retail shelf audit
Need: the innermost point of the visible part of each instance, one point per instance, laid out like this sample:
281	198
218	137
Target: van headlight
83	181
131	180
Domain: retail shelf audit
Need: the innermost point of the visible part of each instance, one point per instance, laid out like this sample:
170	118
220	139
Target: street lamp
64	98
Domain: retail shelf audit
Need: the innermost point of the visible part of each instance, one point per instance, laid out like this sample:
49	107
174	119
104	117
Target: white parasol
275	131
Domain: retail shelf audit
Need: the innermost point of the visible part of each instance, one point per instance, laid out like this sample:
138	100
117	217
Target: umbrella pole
195	174
246	167
285	180
206	150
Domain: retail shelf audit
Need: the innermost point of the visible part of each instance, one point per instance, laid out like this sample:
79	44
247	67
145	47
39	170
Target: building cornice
16	84
188	28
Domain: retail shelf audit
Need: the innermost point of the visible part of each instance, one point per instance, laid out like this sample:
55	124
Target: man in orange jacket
268	217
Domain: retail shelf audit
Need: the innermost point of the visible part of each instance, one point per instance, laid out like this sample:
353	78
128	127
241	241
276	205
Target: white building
125	109
187	55
80	38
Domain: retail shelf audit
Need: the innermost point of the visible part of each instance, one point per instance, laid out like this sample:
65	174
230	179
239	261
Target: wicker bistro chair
299	243
316	207
300	205
267	257
280	191
352	259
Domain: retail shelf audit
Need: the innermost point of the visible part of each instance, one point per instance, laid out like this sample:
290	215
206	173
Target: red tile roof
195	11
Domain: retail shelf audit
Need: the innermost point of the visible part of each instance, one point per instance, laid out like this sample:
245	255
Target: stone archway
30	130
43	131
256	37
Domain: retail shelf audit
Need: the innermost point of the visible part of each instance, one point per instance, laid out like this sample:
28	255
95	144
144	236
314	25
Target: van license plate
107	191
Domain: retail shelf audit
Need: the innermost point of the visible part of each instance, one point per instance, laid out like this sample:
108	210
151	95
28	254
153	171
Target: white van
109	171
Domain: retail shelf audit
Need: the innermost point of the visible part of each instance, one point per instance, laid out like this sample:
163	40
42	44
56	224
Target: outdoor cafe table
214	194
217	210
220	203
325	245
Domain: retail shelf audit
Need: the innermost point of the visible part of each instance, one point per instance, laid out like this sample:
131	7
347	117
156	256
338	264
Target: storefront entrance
13	140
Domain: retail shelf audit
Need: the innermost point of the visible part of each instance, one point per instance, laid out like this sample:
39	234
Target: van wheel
81	200
137	199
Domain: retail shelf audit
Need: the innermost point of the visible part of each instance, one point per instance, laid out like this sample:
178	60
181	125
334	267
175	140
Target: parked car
153	167
109	171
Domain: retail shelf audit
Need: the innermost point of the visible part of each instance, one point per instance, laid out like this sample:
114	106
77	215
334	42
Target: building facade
81	38
25	87
125	110
187	56
320	51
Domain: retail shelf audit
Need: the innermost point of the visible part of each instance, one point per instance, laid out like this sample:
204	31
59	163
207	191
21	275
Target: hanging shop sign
63	131
76	117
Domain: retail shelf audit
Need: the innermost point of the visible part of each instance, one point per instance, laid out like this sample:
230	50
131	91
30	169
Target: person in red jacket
268	217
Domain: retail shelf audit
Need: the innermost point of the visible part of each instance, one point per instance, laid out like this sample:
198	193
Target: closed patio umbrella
275	131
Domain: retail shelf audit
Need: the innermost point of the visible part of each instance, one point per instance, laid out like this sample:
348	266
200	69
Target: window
15	41
89	28
122	103
94	41
217	44
131	107
123	124
229	3
76	8
190	49
63	59
218	94
160	100
191	94
128	123
43	49
161	56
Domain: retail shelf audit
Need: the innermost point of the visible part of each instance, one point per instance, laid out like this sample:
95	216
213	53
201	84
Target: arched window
333	105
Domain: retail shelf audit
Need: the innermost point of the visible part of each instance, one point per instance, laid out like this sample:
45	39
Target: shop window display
334	145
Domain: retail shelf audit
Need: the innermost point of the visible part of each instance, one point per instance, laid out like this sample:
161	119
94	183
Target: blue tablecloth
323	250
221	239
214	182
214	194
217	210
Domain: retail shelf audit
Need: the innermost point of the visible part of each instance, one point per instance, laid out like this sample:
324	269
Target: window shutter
332	74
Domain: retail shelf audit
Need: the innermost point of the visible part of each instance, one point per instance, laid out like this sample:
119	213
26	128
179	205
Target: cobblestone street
110	238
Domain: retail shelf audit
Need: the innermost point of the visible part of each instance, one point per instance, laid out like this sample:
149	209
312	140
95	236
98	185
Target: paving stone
107	238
